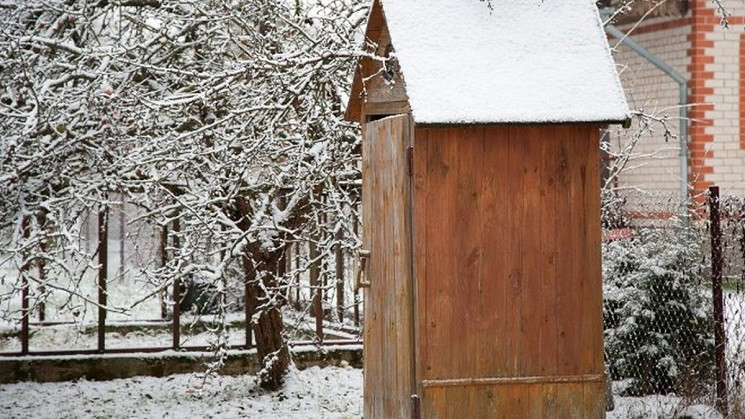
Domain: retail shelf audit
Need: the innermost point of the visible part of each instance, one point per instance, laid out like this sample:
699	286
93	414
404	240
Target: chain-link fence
662	308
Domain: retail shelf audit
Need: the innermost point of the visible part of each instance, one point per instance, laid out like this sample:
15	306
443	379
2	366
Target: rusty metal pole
298	262
176	330
716	283
42	309
103	266
163	262
339	275
41	265
25	225
316	287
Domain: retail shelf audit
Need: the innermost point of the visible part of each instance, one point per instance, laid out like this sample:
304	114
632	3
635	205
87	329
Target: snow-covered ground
659	407
331	392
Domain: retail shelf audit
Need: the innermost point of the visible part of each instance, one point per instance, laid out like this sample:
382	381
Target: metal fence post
716	282
41	266
316	286
26	227
339	275
103	266
176	289
163	262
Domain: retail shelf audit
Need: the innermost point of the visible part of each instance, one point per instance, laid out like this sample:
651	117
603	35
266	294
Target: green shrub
658	323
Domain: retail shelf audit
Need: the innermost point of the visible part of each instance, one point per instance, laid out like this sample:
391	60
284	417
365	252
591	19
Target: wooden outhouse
481	207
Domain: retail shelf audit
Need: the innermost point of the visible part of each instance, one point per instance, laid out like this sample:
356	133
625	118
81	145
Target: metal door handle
362	281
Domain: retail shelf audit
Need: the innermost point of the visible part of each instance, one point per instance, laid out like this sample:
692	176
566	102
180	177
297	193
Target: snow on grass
331	392
659	407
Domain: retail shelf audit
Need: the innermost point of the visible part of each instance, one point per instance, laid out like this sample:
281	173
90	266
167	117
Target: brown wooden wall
507	264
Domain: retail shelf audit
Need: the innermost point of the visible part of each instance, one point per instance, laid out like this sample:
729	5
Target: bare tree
224	115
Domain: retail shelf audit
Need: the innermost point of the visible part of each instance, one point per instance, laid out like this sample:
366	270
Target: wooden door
386	198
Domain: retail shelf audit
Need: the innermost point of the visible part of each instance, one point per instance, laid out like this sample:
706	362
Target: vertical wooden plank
517	400
433	403
413	317
489	403
515	238
385	246
593	257
405	301
594	400
466	247
441	260
562	241
370	359
495	224
574	400
550	405
547	215
570	307
594	393
580	208
421	198
529	312
537	397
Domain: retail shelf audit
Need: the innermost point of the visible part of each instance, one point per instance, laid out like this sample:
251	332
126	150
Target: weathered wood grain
507	260
387	232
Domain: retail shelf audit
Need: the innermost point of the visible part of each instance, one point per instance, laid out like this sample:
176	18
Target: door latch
362	281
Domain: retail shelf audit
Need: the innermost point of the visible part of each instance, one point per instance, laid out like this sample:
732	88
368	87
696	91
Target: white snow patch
312	393
332	392
525	61
660	407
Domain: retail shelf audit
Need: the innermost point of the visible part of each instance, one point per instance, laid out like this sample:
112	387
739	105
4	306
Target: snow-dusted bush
658	323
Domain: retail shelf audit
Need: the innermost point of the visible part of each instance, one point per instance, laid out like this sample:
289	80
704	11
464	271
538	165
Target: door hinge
410	160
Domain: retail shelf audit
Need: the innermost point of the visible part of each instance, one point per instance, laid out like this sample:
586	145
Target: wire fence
117	303
674	303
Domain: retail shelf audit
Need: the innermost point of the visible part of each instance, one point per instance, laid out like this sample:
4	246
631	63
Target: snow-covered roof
525	61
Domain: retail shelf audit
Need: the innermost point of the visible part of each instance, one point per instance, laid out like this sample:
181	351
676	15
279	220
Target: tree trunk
266	320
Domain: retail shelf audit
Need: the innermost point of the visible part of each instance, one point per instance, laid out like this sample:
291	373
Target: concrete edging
115	366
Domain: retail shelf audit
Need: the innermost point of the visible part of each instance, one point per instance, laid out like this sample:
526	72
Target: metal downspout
682	102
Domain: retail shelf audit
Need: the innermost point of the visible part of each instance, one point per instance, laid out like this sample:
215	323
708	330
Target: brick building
690	37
